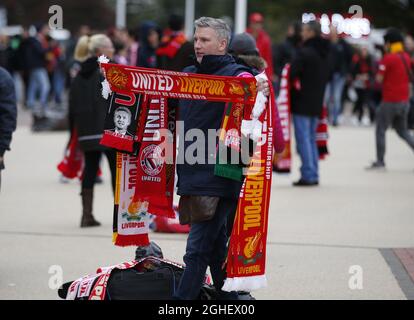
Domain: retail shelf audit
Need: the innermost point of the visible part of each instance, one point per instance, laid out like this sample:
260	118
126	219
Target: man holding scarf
198	186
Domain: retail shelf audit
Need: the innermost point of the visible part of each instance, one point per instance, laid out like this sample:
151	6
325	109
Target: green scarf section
228	170
224	166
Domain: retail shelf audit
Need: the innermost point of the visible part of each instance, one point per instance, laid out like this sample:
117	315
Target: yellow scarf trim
396	47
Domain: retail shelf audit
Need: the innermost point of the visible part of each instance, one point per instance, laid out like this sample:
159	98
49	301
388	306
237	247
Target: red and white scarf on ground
251	231
283	162
169	225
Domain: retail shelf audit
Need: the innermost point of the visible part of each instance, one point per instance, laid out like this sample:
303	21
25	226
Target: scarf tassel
245	283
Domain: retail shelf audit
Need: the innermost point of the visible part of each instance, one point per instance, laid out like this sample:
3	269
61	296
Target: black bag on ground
130	284
151	279
159	284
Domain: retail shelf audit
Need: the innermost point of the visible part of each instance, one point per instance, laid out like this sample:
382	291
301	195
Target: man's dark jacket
146	54
311	68
34	54
199	179
8	110
340	57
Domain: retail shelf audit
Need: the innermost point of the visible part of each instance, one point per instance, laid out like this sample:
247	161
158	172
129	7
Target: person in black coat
88	108
8	114
309	74
340	60
35	51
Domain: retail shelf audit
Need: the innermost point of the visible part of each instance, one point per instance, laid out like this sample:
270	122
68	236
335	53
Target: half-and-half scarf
246	258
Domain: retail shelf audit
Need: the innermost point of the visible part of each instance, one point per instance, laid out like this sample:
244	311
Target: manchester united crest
152	160
117	78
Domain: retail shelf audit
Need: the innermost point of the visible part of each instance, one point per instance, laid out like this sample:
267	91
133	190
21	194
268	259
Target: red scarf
72	164
283	162
179	85
247	250
155	177
322	134
171	43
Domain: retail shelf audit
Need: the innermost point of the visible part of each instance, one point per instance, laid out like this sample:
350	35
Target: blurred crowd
43	67
352	78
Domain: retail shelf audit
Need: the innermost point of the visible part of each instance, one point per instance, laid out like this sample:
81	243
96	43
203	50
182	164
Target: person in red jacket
395	72
263	41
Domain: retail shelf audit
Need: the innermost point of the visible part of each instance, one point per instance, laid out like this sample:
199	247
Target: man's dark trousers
392	114
206	246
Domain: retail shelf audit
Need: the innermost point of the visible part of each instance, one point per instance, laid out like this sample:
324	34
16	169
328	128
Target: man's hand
263	85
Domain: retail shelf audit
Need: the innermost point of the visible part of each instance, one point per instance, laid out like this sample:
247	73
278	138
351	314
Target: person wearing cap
263	41
395	71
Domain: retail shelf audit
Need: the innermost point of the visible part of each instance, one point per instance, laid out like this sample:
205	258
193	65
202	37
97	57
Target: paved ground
317	237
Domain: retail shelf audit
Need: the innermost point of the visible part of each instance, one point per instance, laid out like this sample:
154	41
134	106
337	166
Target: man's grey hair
220	26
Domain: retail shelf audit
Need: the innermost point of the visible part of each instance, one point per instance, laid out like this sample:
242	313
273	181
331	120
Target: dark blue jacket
34	54
147	57
8	110
199	179
311	67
